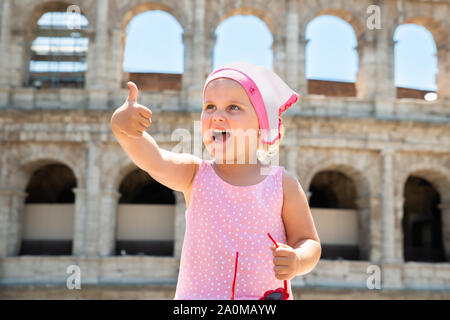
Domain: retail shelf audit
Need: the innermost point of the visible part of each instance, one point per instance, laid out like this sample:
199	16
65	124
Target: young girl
249	229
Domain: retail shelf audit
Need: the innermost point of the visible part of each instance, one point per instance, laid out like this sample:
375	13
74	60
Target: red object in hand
279	293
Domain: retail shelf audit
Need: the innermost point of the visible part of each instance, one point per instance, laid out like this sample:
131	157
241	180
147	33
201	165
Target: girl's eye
209	105
237	108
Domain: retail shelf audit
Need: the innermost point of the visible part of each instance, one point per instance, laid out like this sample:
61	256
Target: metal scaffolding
58	53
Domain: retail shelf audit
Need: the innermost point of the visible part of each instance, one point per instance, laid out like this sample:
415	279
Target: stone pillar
292	45
210	43
388	207
114	70
80	222
369	232
87	206
180	223
198	55
302	82
279	55
443	77
385	65
398	239
5	36
367	69
445	216
11	212
188	42
199	43
18	58
93	197
107	225
98	94
375	78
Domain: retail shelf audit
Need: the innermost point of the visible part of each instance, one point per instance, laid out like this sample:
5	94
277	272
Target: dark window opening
144	247
330	189
139	188
51	184
46	247
422	222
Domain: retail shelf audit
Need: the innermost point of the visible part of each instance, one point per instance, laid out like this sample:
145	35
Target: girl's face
227	108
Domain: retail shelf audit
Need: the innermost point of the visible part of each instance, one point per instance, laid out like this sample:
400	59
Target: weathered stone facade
374	138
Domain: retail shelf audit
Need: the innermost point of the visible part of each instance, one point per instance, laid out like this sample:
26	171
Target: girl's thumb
133	91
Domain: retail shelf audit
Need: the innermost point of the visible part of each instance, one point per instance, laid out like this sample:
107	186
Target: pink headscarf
269	95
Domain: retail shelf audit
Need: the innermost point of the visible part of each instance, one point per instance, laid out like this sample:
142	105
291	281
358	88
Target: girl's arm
303	250
128	123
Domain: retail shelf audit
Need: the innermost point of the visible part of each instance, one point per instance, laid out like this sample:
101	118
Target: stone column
443	77
385	65
292	45
375	78
198	54
98	94
80	222
93	197
399	200
107	225
302	82
11	212
388	207
210	43
114	68
5	38
18	57
188	42
445	216
369	232
279	55
87	206
180	223
367	69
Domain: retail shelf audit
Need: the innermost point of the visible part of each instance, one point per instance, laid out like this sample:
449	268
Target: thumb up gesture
131	119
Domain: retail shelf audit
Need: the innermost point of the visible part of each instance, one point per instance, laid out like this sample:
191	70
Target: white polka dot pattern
222	219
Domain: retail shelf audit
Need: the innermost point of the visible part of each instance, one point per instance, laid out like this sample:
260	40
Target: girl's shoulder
290	182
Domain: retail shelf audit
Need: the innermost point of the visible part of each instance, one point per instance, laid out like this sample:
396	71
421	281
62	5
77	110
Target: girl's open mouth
220	136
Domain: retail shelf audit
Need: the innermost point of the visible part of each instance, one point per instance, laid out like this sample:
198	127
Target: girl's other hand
132	119
286	261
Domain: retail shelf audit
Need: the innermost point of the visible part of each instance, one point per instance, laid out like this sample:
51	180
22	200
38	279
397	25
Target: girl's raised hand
132	119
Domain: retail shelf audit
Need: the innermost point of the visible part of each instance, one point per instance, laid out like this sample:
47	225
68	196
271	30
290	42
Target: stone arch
114	180
26	166
42	7
366	203
437	30
438	176
349	17
245	11
144	7
361	181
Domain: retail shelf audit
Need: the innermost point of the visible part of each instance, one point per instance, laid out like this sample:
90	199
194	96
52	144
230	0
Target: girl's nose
218	117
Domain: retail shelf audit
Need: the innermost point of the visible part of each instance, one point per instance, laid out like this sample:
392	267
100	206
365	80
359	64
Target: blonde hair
265	152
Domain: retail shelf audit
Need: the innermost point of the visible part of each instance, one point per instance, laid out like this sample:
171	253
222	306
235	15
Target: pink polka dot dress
223	219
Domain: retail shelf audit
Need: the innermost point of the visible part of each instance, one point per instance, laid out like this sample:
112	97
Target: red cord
276	246
235	271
